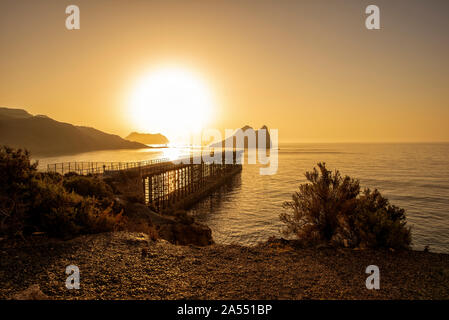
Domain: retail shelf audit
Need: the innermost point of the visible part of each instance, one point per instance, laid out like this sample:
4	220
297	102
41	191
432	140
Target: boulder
178	229
185	234
195	233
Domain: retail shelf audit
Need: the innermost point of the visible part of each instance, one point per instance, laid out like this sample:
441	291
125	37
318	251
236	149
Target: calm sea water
246	211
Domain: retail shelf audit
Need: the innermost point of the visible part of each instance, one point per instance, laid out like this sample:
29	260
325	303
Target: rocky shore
125	265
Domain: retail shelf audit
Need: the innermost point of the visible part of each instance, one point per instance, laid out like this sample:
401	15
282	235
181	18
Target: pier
162	184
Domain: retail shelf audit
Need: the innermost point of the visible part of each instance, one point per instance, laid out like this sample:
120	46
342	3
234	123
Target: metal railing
85	168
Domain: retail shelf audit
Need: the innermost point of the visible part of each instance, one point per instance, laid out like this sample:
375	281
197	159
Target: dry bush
33	201
87	186
330	208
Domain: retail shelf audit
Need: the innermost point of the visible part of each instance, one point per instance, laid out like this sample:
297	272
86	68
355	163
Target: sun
173	101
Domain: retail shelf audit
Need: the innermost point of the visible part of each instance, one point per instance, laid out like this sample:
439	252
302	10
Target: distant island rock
148	138
44	136
229	140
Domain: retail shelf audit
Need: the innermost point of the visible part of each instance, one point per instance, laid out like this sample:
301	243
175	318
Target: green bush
330	208
64	214
33	201
380	224
16	180
87	186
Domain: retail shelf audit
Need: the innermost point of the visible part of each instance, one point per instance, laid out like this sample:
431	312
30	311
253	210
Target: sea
414	176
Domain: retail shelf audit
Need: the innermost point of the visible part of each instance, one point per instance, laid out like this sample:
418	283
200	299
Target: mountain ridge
44	136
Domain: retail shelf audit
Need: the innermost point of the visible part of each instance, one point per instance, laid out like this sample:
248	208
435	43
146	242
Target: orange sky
308	68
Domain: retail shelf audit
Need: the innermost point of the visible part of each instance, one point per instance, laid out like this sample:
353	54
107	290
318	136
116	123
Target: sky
310	69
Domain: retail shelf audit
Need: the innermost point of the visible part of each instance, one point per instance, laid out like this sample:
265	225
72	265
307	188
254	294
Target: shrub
64	214
87	186
16	180
34	201
331	208
16	170
380	224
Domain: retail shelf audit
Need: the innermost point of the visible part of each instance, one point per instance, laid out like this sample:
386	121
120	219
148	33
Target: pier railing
85	168
163	184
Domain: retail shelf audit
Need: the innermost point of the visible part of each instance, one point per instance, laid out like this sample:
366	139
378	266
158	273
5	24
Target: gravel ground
124	265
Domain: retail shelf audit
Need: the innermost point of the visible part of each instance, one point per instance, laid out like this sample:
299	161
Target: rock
138	211
183	217
194	233
134	210
140	238
185	234
33	292
278	243
179	229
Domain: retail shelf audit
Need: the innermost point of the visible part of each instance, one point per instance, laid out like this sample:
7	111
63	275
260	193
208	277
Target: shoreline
128	265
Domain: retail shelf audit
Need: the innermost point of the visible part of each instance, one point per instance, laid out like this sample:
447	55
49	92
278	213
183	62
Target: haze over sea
411	175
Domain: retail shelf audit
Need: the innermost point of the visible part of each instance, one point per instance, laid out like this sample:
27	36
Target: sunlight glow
173	101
